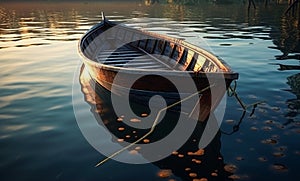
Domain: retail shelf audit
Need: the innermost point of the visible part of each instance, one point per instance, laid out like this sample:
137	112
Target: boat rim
219	61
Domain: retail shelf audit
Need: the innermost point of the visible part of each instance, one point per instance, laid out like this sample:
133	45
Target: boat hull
155	84
205	73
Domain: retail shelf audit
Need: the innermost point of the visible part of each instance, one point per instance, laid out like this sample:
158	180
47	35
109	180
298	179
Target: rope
153	125
232	92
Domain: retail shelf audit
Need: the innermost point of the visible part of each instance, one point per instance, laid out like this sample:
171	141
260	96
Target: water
40	138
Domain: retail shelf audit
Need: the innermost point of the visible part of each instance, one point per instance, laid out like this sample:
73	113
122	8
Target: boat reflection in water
189	162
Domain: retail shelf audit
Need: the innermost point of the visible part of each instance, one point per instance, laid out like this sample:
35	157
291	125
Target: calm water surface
39	135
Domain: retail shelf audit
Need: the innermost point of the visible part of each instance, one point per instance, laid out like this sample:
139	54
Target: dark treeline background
163	1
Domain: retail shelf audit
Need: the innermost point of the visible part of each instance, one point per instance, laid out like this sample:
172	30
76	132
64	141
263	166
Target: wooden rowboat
109	48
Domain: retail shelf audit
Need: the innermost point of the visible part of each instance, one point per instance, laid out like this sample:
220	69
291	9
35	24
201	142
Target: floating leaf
175	152
120	140
275	108
266	128
197	153
137	148
229	121
281	148
269	141
278	154
127	136
234	177
144	114
196	161
146	141
230	168
180	155
164	173
279	167
214	174
262	159
133	152
193	175
269	122
187	169
254	128
121	129
135	120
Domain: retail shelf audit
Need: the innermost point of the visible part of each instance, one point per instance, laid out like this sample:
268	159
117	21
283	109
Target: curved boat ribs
138	52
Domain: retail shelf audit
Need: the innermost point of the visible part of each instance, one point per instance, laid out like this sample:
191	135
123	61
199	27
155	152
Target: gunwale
225	69
104	74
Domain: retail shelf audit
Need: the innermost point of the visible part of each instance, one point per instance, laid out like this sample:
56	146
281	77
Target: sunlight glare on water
39	136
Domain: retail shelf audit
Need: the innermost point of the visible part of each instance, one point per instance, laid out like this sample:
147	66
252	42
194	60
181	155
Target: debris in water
279	167
146	141
253	128
175	152
229	121
269	122
120	140
144	114
278	154
269	141
137	148
266	128
197	153
133	152
135	120
127	136
234	177
164	173
281	148
180	155
187	169
214	174
262	159
193	175
196	161
121	129
230	168
275	108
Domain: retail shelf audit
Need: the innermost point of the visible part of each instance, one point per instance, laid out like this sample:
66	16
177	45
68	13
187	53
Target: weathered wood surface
136	53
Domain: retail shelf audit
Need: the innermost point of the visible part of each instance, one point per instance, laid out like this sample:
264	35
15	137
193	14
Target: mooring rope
153	125
231	92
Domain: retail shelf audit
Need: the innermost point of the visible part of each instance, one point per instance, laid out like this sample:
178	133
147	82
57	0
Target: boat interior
121	46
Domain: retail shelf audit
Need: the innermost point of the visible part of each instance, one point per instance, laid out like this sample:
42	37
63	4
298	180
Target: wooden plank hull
184	62
151	85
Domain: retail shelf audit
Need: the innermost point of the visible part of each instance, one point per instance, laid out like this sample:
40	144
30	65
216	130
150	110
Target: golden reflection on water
202	163
38	44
